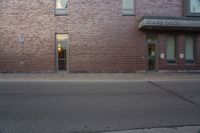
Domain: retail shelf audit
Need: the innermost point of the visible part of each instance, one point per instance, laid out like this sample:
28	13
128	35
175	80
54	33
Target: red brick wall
35	19
180	65
100	38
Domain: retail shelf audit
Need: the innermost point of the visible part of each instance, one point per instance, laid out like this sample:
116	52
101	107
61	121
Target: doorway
62	48
152	57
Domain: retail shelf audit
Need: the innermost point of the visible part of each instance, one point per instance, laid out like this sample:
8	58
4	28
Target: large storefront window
61	44
171	49
190	49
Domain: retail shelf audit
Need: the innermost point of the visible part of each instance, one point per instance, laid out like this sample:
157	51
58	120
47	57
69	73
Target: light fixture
59	49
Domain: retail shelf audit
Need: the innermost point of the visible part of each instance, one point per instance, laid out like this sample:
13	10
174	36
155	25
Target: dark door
151	57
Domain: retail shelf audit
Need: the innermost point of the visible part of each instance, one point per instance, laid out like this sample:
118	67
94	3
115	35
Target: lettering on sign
163	22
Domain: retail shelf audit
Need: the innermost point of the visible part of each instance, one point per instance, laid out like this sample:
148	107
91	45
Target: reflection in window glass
189	49
195	6
61	7
171	49
61	42
62	37
128	7
152	37
61	4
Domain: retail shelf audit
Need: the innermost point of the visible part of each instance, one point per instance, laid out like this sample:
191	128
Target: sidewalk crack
174	93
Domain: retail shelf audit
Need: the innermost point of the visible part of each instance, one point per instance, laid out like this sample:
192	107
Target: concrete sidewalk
189	129
100	76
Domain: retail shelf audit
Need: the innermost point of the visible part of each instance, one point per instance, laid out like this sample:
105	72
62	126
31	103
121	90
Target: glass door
152	43
61	44
152	57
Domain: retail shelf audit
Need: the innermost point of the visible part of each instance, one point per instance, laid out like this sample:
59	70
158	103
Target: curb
188	129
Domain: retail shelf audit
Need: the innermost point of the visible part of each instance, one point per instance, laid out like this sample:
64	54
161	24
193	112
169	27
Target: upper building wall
160	8
33	17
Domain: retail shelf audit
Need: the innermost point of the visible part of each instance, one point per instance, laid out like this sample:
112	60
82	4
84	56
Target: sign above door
169	23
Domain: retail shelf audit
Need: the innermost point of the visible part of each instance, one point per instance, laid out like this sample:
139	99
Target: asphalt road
97	106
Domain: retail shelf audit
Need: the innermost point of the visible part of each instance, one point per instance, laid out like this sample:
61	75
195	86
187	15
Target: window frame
129	14
172	61
60	12
56	53
188	13
191	61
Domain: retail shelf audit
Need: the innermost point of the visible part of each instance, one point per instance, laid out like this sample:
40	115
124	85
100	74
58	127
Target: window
171	49
128	7
190	49
192	7
61	7
152	37
61	45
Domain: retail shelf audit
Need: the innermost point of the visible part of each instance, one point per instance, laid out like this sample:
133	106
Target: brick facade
101	39
180	65
35	19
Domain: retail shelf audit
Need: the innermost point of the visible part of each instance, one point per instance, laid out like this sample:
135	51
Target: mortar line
174	93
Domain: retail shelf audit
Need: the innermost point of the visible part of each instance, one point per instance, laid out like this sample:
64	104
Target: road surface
97	106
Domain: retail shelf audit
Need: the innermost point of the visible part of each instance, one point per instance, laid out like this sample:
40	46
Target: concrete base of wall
181	71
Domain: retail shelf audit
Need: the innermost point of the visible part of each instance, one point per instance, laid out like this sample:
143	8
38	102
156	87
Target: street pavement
98	106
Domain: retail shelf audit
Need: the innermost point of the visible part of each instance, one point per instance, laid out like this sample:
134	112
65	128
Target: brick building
99	35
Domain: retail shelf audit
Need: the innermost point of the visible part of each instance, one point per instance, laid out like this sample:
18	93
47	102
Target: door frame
147	43
56	55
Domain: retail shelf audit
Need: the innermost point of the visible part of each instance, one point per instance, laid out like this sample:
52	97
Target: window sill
193	14
60	12
128	14
190	64
171	65
171	61
190	61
